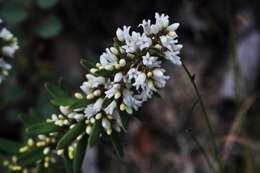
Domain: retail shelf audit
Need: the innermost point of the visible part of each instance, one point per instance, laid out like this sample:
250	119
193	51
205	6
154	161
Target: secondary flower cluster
127	75
8	48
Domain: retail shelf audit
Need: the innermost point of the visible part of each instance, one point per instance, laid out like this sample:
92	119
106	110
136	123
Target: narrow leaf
42	128
95	132
39	168
117	145
8	146
81	103
55	91
63	101
87	64
80	153
67	163
31	157
71	135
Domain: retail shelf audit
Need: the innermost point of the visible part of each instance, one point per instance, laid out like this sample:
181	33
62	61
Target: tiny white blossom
123	34
108	58
110	108
151	61
112	91
159	77
94	108
5	34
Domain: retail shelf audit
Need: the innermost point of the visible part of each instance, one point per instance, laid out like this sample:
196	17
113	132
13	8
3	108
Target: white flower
92	109
172	56
112	91
108	58
6	34
168	42
161	22
130	101
123	34
146	26
137	41
4	65
95	81
151	61
118	77
110	108
10	50
173	27
136	77
86	88
159	77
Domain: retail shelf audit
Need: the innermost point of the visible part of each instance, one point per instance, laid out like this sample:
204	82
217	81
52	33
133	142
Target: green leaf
125	118
31	157
80	153
55	91
63	101
81	103
43	128
60	98
9	147
105	73
71	135
13	13
87	64
95	132
39	168
114	138
49	27
46	4
31	118
67	163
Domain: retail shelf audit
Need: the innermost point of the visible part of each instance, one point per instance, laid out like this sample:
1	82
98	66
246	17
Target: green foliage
8	146
31	157
67	163
49	27
115	140
80	153
60	98
46	4
13	13
95	133
71	135
42	128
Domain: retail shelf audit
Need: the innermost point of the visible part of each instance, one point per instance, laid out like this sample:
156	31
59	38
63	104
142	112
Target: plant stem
212	134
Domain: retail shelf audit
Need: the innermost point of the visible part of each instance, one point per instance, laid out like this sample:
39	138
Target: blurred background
221	46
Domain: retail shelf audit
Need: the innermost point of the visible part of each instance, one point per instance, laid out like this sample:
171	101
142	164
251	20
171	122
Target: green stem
212	134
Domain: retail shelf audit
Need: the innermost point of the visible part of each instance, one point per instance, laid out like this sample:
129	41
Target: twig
206	118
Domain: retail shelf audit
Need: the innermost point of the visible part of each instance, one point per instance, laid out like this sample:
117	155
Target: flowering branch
128	74
9	46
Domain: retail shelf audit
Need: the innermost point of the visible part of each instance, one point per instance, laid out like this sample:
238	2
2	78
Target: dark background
221	46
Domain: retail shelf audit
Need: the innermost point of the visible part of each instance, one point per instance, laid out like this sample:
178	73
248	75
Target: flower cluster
127	75
8	48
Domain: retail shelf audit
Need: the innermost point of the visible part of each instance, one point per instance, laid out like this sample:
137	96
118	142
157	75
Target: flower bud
65	110
109	131
114	50
97	93
78	96
117	95
93	70
149	74
90	96
122	107
122	62
106	123
46	150
109	67
88	129
92	120
98	116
